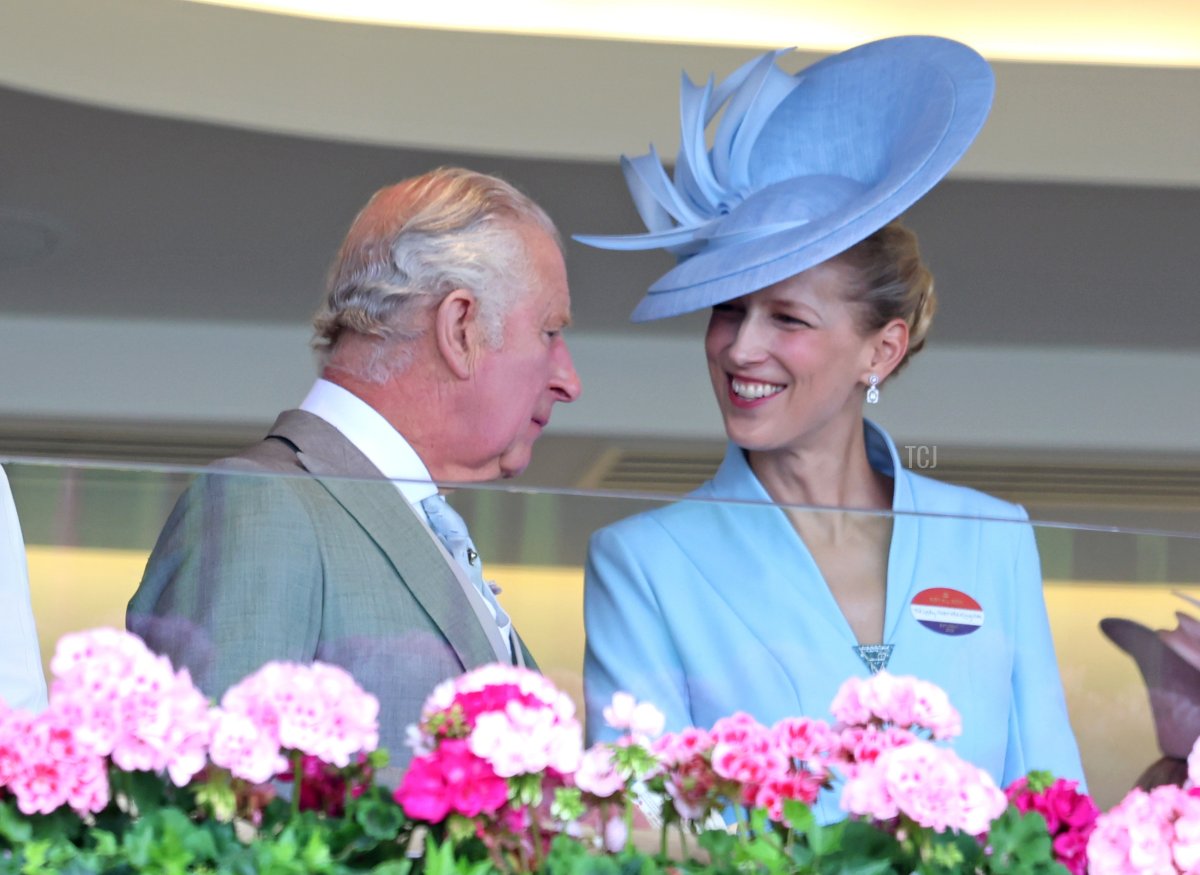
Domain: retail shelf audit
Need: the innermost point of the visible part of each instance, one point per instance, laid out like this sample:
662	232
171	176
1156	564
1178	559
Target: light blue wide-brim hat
802	166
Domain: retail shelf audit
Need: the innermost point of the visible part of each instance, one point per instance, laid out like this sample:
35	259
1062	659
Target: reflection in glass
89	529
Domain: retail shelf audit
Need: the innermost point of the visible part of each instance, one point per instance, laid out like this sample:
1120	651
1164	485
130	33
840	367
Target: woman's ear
456	331
888	349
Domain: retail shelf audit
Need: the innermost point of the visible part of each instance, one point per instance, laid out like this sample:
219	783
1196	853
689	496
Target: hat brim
1172	682
923	99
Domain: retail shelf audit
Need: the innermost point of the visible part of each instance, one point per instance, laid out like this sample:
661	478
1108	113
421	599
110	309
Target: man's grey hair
414	243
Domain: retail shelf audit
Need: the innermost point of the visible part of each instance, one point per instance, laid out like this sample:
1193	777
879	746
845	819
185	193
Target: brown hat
1169	660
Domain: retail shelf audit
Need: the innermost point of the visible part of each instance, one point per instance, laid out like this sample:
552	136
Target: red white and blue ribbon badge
947	611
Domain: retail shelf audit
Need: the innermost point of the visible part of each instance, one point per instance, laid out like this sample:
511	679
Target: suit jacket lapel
391	522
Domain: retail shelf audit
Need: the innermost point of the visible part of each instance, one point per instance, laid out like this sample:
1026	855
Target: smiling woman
787	230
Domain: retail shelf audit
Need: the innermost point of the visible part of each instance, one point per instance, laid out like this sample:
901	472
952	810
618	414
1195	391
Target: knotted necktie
452	531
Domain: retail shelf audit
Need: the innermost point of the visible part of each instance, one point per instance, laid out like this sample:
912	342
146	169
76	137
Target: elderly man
442	357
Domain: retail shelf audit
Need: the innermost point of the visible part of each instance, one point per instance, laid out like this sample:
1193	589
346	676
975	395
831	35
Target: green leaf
568	804
439	858
381	820
799	815
315	855
145	789
393	867
1040	780
526	789
217	796
14	828
826	840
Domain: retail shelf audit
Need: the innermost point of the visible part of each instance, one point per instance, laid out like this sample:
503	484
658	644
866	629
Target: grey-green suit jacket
252	566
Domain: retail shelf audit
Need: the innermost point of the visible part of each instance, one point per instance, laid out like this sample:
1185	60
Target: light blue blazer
708	608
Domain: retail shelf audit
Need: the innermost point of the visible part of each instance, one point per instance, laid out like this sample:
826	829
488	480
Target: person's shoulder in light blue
22	683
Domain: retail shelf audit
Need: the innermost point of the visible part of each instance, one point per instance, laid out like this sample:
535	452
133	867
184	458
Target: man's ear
891	343
457	332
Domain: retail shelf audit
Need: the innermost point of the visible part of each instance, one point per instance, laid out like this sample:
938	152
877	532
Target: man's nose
564	380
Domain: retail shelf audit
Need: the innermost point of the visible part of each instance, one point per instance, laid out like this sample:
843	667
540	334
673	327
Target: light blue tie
452	530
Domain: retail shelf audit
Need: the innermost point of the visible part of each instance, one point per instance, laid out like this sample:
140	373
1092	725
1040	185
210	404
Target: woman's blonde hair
894	283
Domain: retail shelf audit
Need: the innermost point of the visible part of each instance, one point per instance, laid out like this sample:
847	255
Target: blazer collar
432	576
735	480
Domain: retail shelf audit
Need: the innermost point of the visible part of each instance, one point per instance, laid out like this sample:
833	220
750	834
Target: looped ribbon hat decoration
802	166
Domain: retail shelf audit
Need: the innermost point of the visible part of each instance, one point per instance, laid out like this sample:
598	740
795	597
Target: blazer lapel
391	522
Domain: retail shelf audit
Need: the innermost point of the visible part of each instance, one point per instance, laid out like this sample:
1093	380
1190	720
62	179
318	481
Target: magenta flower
422	794
450	780
1070	818
325	788
513	718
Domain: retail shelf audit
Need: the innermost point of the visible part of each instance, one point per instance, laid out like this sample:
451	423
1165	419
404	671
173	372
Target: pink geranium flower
317	710
512	718
805	739
928	784
450	780
129	704
901	701
45	764
640	719
598	774
674	748
1069	814
1156	831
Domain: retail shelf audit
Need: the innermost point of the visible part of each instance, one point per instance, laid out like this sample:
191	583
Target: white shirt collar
373	436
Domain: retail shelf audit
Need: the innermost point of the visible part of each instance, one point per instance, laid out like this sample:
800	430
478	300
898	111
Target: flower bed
131	769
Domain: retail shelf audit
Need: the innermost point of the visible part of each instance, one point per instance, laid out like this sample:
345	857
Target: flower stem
535	829
297	777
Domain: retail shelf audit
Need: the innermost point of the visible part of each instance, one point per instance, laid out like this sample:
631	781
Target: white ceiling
1162	33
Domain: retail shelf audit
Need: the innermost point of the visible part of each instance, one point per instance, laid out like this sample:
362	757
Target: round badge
947	611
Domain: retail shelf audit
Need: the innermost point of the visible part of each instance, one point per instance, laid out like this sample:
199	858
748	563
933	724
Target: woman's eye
788	319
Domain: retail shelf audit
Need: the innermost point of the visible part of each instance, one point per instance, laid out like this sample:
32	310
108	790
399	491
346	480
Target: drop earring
873	389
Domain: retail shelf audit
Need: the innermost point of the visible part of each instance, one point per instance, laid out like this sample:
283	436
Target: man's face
518	383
